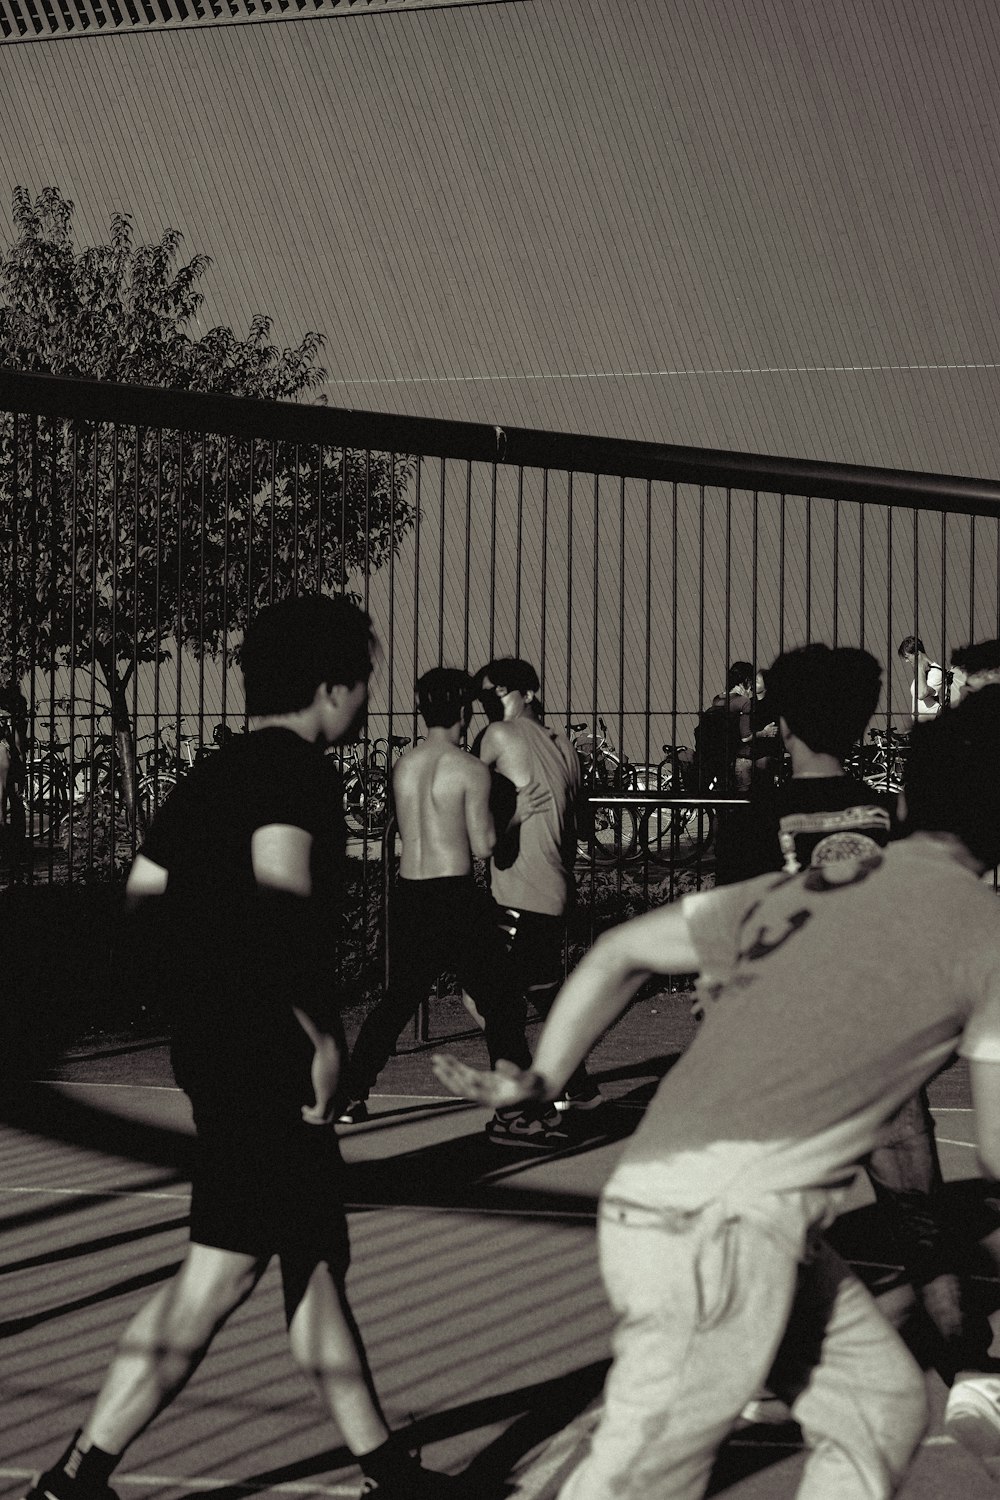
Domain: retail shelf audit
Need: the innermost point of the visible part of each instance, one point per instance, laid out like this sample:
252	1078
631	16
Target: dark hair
826	695
951	781
983	656
509	672
294	646
910	645
444	695
739	674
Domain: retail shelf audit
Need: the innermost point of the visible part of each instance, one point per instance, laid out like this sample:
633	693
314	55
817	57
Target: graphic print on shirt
855	834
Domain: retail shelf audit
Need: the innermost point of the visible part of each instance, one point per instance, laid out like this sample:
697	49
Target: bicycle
676	835
881	764
614	830
366	786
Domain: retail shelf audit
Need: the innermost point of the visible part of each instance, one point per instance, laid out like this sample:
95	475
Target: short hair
826	695
910	645
951	782
294	646
509	672
444	695
740	672
983	656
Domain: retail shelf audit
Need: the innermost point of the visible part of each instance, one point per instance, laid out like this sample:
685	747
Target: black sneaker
520	1128
587	1096
56	1484
415	1483
355	1112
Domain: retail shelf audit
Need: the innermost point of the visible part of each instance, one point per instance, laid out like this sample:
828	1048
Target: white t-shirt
935	684
833	994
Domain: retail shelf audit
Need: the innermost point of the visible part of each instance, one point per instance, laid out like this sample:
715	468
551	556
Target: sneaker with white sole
972	1414
587	1096
513	1127
355	1112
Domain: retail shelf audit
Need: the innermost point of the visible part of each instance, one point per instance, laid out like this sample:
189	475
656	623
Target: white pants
712	1306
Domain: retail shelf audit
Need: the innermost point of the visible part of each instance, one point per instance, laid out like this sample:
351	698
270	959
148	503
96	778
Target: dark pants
534	941
905	1174
437	926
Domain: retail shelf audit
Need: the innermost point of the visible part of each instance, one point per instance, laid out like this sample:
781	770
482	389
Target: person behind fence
721	757
440	920
531	871
929	685
835	993
240	868
13	748
824	698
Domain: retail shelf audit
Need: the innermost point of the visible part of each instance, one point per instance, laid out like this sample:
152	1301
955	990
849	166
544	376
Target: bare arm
594	995
985	1078
281	865
146	878
478	818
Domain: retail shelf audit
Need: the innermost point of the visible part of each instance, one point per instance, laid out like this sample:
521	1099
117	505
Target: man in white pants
837	992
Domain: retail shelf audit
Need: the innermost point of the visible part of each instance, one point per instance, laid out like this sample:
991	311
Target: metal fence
140	528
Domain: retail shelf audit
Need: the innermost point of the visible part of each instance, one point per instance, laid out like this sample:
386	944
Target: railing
140	528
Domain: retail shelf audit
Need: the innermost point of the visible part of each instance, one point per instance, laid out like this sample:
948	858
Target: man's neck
303	723
440	735
808	763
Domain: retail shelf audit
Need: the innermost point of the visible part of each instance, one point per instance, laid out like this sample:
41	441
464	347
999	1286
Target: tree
122	544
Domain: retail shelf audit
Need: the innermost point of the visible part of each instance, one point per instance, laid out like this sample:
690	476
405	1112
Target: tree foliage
121	543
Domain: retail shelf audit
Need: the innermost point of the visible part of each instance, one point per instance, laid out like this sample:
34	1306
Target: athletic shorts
266	1190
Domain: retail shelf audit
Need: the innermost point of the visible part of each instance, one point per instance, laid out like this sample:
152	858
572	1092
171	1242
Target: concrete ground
474	1281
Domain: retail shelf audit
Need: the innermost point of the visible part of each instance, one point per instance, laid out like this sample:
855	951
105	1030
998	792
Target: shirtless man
440	919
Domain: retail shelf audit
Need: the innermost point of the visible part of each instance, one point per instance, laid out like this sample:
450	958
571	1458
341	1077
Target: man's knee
210	1284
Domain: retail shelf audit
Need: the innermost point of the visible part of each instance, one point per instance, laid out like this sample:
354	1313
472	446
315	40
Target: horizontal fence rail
140	529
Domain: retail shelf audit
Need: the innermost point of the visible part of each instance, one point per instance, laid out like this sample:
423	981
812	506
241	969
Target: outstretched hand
507	1086
531	798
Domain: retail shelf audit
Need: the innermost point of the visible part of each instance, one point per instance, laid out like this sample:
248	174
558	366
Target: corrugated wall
763	226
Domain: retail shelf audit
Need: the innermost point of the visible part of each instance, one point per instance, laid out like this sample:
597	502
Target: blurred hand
507	1086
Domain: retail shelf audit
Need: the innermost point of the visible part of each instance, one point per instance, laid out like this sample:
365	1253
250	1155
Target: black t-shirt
808	820
234	1035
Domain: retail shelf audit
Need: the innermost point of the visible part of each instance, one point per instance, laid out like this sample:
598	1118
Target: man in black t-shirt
240	868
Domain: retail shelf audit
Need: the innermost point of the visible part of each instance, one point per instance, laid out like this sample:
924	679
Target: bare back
441	796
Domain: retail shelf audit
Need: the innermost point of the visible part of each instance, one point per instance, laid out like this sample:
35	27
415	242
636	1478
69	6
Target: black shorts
269	1189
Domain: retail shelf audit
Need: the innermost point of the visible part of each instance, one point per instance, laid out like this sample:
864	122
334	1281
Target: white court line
182	1481
573	1215
944	1140
172	1088
64	1192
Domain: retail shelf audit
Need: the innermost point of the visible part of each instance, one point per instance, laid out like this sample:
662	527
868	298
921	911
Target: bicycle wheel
152	792
690	834
46	798
366	802
614	836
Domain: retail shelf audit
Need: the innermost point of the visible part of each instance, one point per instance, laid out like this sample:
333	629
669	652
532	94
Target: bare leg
166	1341
326	1344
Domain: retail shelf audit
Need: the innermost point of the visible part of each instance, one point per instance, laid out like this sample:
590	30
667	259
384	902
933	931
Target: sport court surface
474	1280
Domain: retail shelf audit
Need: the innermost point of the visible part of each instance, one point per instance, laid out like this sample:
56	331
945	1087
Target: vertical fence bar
808	569
415	658
836	572
519	546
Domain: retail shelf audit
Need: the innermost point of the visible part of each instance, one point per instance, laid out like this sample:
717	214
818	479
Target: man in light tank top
531	871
